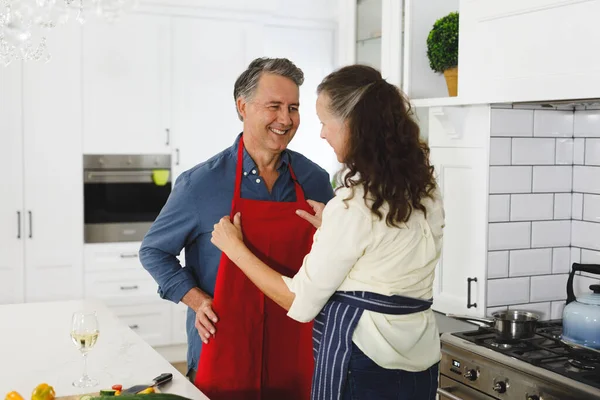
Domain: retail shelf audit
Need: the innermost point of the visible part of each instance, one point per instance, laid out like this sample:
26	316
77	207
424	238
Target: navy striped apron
332	335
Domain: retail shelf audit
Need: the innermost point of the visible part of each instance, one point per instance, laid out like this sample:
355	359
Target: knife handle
162	378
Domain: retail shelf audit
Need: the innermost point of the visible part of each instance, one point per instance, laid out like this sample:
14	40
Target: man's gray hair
246	84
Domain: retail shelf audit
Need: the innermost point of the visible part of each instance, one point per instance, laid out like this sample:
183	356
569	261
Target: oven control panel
499	381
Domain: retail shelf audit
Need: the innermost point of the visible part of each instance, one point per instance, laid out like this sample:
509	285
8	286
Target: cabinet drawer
119	284
107	256
150	321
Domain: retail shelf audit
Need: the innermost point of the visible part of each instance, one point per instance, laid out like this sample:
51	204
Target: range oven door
120	205
450	389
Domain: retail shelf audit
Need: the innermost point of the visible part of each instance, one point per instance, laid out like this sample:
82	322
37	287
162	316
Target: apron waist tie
333	329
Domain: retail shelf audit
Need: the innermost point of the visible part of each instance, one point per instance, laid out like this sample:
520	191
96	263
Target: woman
367	281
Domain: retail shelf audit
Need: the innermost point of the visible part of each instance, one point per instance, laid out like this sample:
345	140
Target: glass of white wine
84	333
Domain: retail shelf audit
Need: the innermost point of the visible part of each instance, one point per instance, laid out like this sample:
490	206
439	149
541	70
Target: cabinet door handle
18	224
176	156
134	326
469	304
132	287
30	224
168	136
131	255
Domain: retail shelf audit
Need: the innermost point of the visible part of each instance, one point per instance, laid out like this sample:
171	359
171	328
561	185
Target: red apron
259	353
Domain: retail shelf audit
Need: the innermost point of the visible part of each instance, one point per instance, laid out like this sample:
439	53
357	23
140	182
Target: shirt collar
249	165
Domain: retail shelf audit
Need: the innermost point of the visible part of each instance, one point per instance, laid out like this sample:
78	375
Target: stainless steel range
475	365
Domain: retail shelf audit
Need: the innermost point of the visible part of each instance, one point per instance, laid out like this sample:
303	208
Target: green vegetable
107	392
442	43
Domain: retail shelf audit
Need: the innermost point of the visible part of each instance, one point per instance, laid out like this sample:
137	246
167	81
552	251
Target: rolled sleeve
167	236
338	244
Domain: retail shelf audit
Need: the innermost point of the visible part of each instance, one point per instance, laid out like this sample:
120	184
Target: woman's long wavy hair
384	152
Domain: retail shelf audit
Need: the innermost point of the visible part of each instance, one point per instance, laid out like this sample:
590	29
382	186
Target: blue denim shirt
200	197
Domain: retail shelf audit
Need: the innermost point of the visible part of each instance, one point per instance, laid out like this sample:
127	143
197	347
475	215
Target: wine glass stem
85	375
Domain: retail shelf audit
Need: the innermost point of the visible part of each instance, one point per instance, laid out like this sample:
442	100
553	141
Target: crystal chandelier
25	23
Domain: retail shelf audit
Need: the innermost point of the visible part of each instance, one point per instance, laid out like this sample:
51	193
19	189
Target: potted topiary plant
442	50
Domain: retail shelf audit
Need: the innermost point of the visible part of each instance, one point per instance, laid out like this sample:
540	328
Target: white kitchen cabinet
528	50
205	121
11	201
459	140
147	319
126	85
42	216
178	318
53	183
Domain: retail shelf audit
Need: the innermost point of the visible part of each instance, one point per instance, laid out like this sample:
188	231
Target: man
240	344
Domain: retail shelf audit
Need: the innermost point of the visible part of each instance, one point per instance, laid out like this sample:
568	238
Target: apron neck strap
239	173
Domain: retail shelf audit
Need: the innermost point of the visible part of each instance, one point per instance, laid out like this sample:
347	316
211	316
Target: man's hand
317	207
205	320
201	303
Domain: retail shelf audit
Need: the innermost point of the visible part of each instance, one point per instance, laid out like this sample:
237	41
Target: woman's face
333	129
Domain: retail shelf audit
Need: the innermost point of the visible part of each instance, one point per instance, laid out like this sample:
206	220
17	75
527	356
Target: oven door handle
446	393
144	176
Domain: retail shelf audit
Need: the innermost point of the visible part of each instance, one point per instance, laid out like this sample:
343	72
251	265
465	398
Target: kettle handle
591	268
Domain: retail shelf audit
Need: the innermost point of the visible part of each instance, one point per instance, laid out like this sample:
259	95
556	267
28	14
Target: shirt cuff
299	311
184	282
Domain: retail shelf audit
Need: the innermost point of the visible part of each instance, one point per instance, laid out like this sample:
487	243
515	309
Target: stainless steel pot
509	325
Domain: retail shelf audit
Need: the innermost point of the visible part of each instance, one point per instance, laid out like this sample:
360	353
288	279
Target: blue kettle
581	315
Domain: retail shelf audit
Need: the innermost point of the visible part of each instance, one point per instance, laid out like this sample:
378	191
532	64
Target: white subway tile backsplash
512	122
533	151
508	291
500	151
497	264
586	179
590	256
556	309
510	180
531	207
509	235
586	235
579	152
591	208
592	152
587	123
530	262
541	309
499	208
551	234
553	123
577	208
548	287
561	260
575	256
564	151
562	205
491	310
553	179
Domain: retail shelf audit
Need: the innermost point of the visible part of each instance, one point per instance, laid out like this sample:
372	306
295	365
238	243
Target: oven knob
470	374
500	387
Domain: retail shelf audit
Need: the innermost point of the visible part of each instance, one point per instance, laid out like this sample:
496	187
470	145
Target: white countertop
35	347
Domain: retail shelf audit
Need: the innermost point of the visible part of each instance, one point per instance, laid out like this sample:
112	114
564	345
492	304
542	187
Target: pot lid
591	298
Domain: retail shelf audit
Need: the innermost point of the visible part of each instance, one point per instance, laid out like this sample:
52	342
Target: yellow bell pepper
146	391
43	391
13	396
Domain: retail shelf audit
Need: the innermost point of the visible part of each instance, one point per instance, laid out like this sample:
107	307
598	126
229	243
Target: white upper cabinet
11	201
53	180
459	140
527	50
204	117
126	85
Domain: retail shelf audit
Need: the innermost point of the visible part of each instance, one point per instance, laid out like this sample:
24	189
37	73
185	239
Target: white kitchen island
36	347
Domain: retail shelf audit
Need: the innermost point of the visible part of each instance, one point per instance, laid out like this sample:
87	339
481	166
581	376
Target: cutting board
77	396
